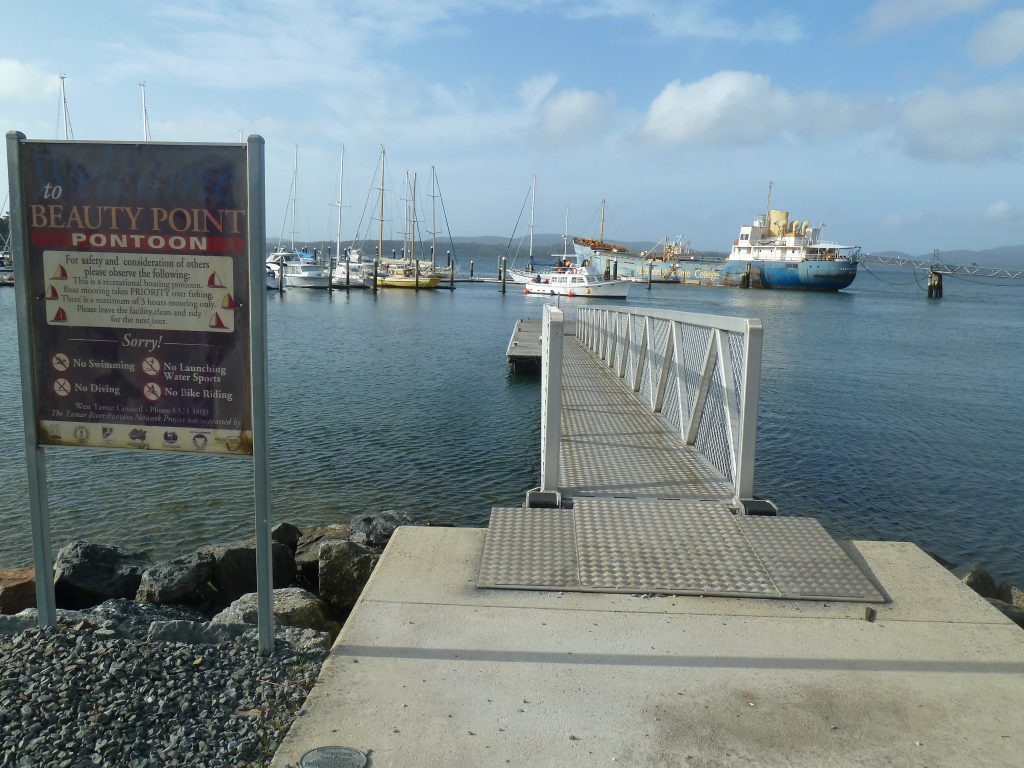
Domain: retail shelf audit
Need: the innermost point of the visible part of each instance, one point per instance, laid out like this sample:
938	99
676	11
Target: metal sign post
260	437
35	456
141	311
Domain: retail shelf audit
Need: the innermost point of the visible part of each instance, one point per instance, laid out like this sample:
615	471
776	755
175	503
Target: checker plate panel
669	547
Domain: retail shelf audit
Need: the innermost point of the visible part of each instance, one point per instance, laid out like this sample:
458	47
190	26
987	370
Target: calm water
882	414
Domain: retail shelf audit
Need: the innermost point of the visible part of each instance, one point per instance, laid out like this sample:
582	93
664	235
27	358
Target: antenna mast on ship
65	117
600	236
565	234
768	210
145	114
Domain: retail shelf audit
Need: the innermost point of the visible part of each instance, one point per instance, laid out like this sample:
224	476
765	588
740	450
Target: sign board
138	272
141	315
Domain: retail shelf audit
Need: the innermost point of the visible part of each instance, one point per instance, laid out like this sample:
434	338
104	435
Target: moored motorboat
351	271
574	280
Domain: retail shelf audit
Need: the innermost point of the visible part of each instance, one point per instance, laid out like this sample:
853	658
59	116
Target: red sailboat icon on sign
229	302
52	293
60	316
60	273
216	322
214	281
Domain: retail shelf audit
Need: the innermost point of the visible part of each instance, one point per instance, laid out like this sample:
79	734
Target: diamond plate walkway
645	513
612	447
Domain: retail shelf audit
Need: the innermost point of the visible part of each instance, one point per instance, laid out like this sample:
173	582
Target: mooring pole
376	268
650	272
502	268
330	272
471	269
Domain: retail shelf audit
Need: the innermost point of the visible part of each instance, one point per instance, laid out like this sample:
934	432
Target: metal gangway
943	268
648	436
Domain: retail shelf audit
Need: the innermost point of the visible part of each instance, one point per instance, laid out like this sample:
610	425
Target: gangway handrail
944	268
700	373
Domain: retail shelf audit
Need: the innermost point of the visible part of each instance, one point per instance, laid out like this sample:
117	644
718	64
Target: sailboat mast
65	118
145	114
295	194
341	198
601	235
380	239
433	218
533	206
412	224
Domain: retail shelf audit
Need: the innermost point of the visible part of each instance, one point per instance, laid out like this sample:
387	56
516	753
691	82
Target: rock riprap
92	694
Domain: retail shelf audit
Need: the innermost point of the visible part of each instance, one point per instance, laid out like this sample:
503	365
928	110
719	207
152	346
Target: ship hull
808	275
787	276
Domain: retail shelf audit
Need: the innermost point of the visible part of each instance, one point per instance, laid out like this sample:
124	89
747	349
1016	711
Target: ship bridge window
744	236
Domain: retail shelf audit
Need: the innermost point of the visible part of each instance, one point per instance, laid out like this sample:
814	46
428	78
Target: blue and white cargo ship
773	252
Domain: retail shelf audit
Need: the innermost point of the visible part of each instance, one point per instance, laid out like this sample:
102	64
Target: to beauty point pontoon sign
138	273
141	314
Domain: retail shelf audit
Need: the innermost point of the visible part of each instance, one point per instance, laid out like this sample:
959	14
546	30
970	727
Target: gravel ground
93	692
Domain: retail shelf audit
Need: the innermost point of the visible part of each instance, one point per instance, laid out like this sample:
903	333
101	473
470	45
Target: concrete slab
431	671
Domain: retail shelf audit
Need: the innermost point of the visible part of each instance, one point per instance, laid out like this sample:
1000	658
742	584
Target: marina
890	444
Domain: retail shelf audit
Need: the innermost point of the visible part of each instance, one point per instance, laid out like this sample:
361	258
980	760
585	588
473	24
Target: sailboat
297	268
403	273
573	278
519	275
348	271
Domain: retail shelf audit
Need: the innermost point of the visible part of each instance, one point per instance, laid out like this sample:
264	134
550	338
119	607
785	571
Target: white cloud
23	82
742	108
976	124
887	16
575	115
1001	40
693	19
904	221
1004	211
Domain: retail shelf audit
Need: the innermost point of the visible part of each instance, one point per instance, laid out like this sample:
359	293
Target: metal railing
700	373
552	337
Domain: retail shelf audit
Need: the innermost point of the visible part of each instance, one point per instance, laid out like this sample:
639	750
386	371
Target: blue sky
897	123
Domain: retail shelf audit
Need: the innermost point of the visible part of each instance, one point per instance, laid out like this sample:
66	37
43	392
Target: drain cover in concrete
669	547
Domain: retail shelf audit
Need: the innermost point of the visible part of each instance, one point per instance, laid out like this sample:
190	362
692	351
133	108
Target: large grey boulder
287	534
307	552
293	607
977	578
345	568
194	632
375	530
1010	594
180	580
86	574
30	618
296	638
234	571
